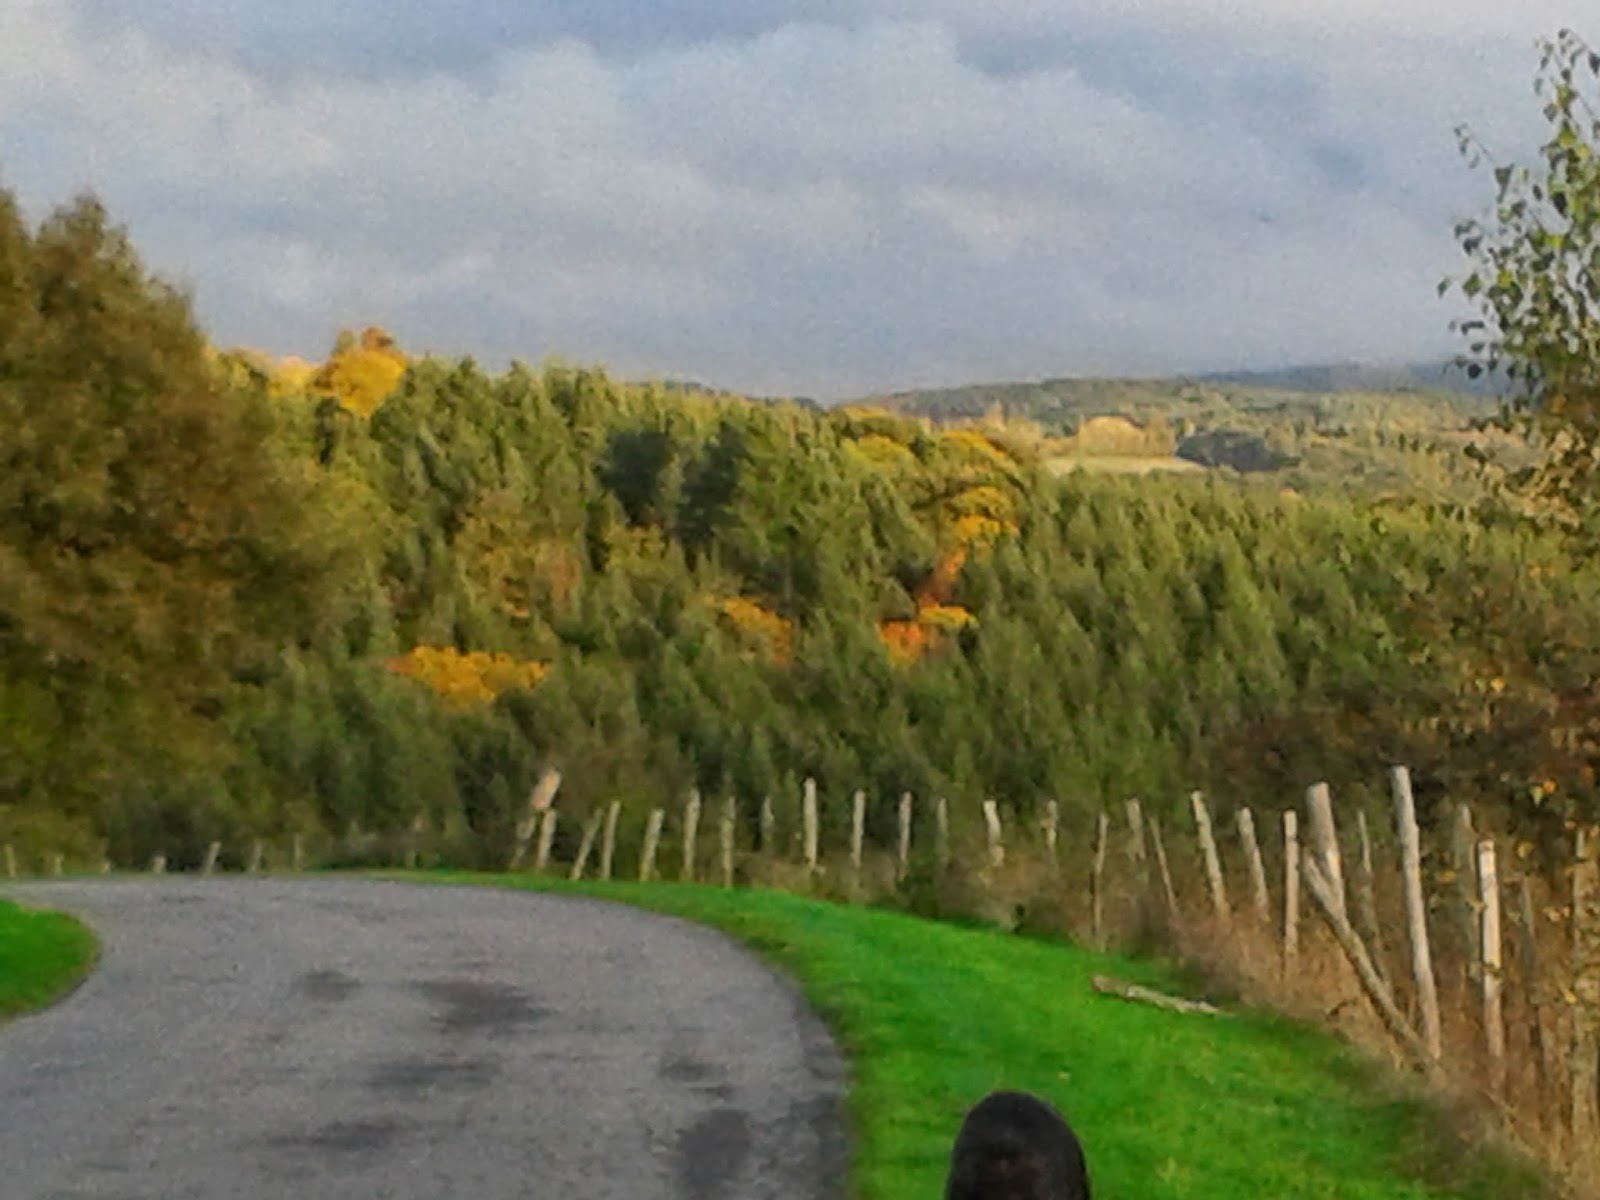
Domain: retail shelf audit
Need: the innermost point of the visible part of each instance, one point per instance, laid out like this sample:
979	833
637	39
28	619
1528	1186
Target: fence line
1537	1006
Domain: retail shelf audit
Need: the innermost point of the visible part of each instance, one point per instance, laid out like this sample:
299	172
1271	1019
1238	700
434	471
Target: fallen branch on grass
1144	995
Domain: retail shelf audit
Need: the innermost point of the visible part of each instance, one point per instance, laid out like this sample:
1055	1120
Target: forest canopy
248	597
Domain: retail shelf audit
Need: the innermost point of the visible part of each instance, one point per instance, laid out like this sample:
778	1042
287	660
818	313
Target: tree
361	373
1535	278
153	541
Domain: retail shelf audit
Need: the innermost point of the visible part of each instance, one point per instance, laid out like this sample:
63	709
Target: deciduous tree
1535	281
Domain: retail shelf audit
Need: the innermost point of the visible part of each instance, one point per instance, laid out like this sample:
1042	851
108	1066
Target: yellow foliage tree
465	680
977	447
242	366
884	452
361	373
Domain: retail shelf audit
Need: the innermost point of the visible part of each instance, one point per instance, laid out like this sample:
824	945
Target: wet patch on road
677	1067
327	986
422	1074
365	1136
473	1006
694	1072
712	1153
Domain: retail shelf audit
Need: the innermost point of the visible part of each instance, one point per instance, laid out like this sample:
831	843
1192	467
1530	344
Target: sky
820	199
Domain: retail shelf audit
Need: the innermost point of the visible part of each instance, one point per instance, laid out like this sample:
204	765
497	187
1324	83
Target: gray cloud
875	195
389	39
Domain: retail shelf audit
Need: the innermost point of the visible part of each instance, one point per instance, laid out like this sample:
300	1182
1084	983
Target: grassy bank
1168	1105
43	956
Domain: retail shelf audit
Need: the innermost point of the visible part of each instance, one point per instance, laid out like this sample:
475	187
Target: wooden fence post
1138	862
1097	880
414	841
1366	896
257	852
997	846
941	832
652	839
1325	841
1208	852
1463	846
903	848
608	839
58	865
1405	817
1378	993
1494	1028
1052	833
1291	892
539	800
1539	1042
858	826
810	819
1246	821
11	861
768	822
1585	1105
727	832
158	865
547	839
1161	864
213	852
297	852
591	829
691	834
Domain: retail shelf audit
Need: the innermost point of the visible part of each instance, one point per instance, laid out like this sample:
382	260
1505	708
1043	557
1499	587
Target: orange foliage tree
763	631
929	631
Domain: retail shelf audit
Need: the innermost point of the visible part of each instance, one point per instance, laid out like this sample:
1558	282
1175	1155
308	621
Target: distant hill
1045	398
694	387
1347	426
1363	377
1434	394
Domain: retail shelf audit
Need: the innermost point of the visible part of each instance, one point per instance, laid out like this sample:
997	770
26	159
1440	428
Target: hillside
1441	377
386	588
1439	381
1341	427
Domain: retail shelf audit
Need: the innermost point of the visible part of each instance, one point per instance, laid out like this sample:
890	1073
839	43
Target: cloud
819	199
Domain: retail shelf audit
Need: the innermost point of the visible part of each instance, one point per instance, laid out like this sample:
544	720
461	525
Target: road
260	1038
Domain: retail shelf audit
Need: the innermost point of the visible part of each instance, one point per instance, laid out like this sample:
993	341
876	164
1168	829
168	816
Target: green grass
1191	1107
43	956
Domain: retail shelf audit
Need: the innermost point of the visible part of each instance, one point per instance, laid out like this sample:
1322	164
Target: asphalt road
257	1039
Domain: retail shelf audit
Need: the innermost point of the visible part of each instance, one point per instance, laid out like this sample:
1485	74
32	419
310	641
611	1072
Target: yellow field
1122	464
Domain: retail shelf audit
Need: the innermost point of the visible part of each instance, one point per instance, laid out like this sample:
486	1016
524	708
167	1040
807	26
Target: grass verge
43	956
1168	1106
